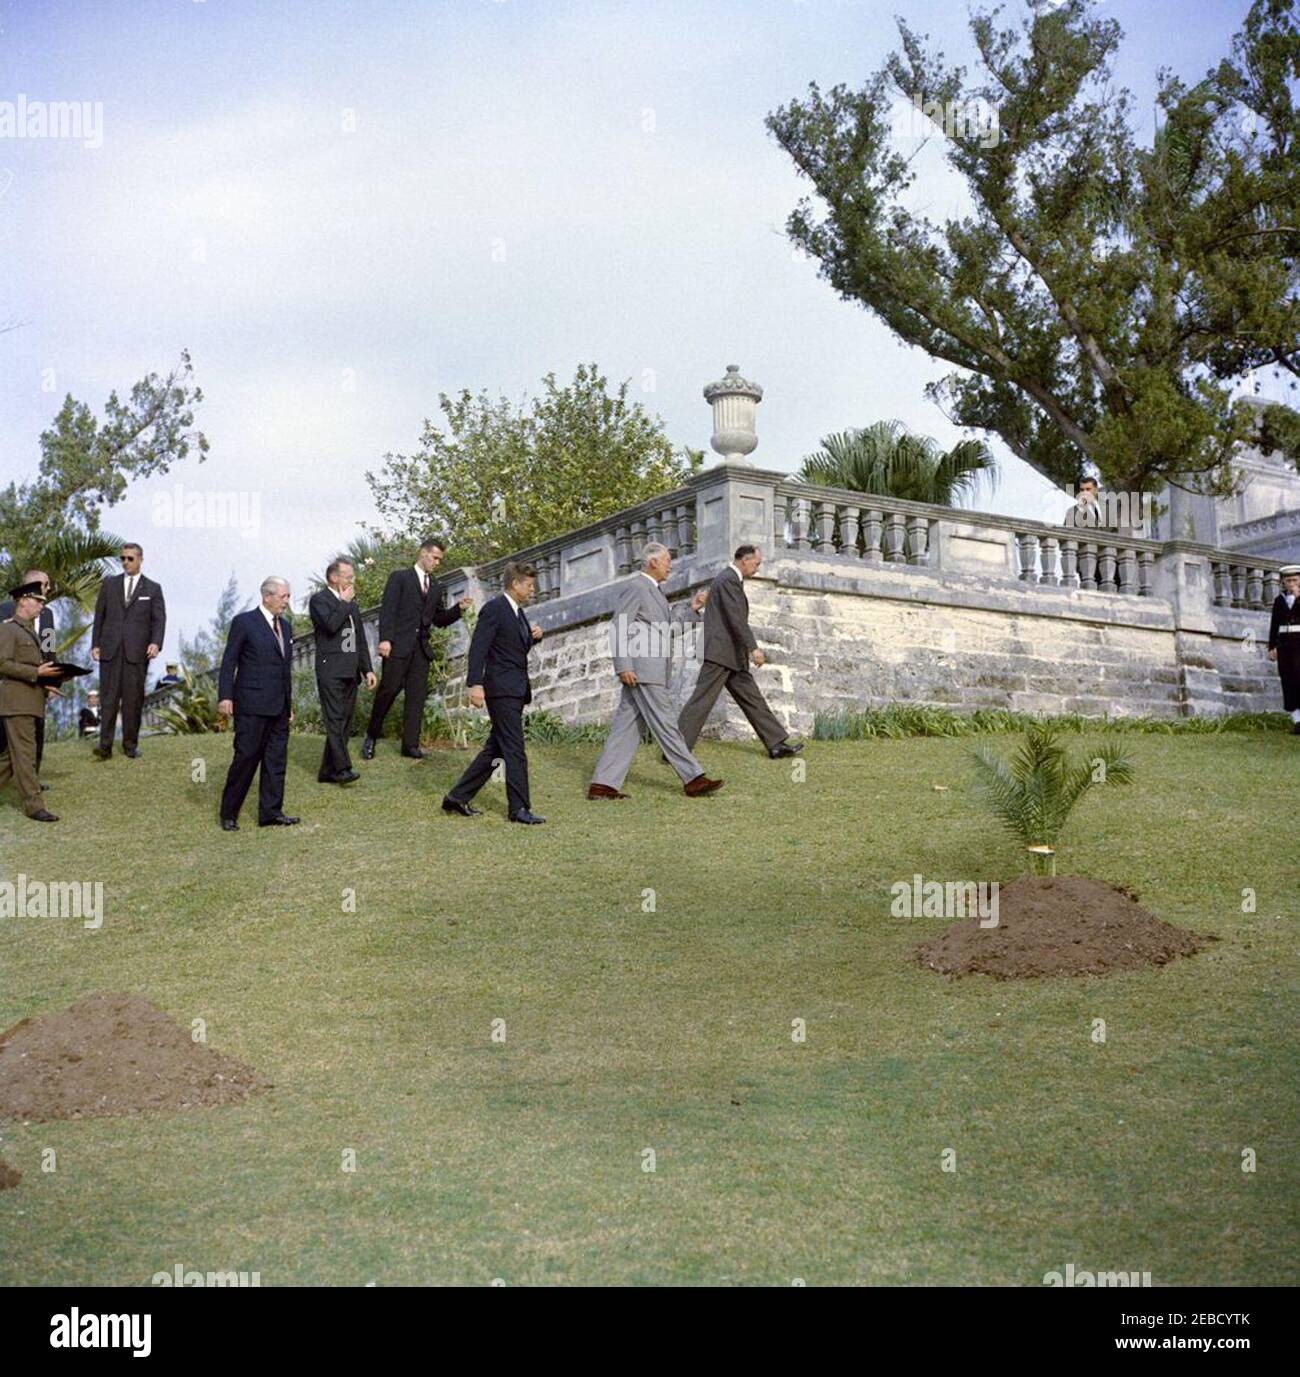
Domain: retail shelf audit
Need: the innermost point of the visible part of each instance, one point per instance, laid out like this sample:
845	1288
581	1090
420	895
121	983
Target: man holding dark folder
27	678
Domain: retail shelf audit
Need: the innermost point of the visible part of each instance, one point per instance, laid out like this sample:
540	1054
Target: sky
343	209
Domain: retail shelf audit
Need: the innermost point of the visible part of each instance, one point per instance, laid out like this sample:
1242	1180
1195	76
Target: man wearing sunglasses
130	622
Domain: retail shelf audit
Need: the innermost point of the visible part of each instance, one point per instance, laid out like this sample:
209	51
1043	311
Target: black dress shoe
452	805
784	749
280	820
229	825
368	748
347	777
100	753
43	816
414	754
133	751
523	815
1295	731
44	787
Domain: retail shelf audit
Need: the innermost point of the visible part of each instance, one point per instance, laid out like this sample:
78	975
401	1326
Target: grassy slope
669	1030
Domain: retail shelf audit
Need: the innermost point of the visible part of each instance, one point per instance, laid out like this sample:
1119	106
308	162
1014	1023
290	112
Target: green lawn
670	1030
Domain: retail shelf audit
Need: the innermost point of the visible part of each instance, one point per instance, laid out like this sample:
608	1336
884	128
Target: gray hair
652	551
271	583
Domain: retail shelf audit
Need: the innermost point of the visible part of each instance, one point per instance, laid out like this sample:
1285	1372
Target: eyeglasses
129	559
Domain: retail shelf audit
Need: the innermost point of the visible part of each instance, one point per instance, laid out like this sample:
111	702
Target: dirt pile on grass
9	1178
1059	925
112	1054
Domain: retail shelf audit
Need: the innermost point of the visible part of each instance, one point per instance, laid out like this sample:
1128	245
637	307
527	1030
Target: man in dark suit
342	662
729	648
412	604
45	634
255	685
130	622
497	677
1284	641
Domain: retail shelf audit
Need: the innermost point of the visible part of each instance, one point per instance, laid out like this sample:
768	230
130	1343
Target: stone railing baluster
780	515
1146	573
1050	548
1106	562
872	526
1238	575
1087	565
826	528
1127	570
1069	563
1255	587
918	540
623	549
849	530
1272	586
685	527
895	537
1027	549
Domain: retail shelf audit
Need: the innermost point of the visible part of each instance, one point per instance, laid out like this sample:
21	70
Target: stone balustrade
877	599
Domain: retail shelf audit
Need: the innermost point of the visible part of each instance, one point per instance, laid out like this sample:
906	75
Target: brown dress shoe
701	784
604	791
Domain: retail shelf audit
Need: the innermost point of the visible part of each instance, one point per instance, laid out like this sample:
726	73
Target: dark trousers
1288	668
338	698
740	684
409	676
259	741
505	742
121	684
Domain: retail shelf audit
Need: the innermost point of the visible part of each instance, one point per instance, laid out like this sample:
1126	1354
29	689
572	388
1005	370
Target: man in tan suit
26	680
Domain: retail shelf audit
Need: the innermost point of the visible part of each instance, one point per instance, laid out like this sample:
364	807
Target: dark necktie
424	585
279	640
523	625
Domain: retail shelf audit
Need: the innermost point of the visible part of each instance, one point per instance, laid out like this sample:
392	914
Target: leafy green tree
86	464
500	478
1101	298
887	461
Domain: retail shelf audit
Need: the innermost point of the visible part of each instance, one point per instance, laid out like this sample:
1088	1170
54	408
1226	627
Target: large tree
1102	297
86	464
502	477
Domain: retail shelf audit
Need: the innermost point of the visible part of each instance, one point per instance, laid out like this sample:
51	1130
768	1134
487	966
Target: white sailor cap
1288	569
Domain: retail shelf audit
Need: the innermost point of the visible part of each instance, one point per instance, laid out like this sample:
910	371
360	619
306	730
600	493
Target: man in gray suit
643	634
729	647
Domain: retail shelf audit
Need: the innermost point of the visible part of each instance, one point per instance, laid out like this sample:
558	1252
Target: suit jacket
405	616
254	675
1284	616
727	637
44	626
21	694
498	652
128	631
642	630
341	649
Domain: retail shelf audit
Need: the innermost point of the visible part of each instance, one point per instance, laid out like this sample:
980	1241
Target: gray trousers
641	705
740	684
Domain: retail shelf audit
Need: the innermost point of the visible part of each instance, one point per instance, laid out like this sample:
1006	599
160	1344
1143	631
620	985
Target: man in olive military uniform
1284	641
27	678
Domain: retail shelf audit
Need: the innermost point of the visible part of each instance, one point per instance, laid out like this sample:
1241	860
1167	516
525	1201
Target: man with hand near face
497	678
342	662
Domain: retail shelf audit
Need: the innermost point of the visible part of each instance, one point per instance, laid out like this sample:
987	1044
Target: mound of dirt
112	1054
1059	925
9	1178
